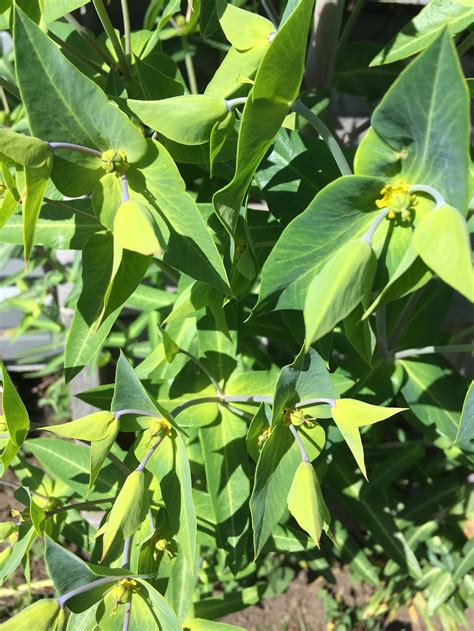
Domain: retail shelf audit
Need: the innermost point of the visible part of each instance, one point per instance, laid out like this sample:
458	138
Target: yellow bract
133	229
114	161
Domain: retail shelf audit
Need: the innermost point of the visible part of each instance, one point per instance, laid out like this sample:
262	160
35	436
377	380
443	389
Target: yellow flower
397	198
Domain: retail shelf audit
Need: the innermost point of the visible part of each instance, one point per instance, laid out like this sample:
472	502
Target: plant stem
203	369
150	453
376	223
111	34
231	104
310	402
79	506
466	44
127	550
10	87
350	23
188	62
136	411
405	315
381	327
77	54
87	37
300	108
271	14
68	146
126	615
62	600
294	431
125	195
430	350
435	194
323	43
127	32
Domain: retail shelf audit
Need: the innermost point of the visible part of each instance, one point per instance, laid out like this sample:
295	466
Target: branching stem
231	104
111	34
62	600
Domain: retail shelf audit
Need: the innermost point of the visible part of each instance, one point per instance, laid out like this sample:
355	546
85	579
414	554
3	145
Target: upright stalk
111	34
300	108
127	32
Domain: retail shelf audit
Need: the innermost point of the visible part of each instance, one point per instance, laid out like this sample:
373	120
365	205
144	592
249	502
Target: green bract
219	272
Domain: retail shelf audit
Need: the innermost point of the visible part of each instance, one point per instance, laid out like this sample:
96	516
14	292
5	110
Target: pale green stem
127	32
203	369
300	108
62	600
127	614
429	190
68	146
112	35
150	453
299	442
188	62
231	104
10	87
368	236
430	350
310	402
125	194
80	506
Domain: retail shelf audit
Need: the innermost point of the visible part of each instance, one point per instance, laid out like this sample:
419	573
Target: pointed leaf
16	415
414	135
243	29
306	502
134	229
82	112
127	513
338	288
187	119
43	615
24	150
442	240
94	426
465	433
36	181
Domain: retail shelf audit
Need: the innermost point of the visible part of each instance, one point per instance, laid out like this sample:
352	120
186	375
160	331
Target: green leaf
441	239
220	132
187	119
99	450
94	426
349	415
306	502
26	536
25	150
134	229
227	474
237	67
61	225
276	86
343	211
338	288
426	26
277	465
83	114
127	513
16	415
434	395
159	607
85	336
243	29
170	466
55	9
43	615
69	462
200	624
36	181
415	136
190	247
179	591
465	431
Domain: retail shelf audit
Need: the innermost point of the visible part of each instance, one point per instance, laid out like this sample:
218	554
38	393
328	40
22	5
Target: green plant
261	347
